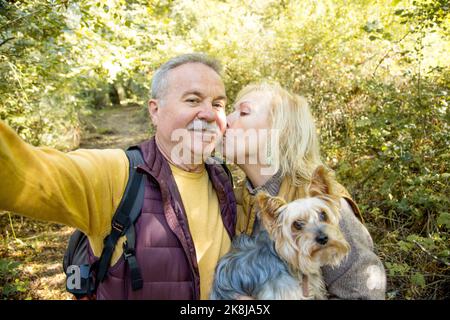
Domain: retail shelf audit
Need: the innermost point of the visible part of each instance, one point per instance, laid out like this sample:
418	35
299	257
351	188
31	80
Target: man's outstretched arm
81	189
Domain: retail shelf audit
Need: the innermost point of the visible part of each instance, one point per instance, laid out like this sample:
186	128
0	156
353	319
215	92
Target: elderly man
189	211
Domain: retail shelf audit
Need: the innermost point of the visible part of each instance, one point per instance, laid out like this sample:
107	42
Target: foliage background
375	71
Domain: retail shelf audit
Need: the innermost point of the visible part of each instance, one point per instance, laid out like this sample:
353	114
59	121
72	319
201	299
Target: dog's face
306	231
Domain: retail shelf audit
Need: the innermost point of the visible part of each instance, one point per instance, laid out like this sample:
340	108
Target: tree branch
389	51
6	40
431	255
25	16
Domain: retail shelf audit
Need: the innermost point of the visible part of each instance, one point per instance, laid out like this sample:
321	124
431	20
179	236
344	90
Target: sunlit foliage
376	74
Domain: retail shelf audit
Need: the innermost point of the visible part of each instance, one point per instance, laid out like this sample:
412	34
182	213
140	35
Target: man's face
194	102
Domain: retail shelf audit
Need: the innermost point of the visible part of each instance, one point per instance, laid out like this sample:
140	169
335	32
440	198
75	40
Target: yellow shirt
210	237
83	189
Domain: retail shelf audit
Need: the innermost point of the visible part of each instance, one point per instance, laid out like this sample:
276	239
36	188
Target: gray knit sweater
361	275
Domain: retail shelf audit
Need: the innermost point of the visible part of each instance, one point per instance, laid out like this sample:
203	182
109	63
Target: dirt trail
116	128
39	247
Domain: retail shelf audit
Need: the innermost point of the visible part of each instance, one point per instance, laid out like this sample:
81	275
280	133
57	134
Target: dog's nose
321	238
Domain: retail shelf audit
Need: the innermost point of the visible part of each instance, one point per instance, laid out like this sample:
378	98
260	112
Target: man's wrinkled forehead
196	78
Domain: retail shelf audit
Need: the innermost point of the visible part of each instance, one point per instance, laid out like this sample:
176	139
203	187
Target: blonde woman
284	169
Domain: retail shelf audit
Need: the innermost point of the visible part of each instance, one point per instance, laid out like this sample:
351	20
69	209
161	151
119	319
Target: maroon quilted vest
164	247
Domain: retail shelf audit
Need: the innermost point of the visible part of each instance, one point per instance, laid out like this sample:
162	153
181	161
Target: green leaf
418	279
444	219
387	36
405	246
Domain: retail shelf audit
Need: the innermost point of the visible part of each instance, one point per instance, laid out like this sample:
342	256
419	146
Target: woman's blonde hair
297	152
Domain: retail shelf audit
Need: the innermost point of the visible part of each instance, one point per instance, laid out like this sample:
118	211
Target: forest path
118	127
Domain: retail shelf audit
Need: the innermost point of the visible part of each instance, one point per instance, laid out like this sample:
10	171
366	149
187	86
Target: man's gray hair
159	80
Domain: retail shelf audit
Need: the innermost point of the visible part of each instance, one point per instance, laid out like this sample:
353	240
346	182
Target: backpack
83	278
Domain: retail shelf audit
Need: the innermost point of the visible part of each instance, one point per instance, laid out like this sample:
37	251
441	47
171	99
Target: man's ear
269	209
153	108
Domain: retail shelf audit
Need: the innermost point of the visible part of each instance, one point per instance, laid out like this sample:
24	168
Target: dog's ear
269	208
269	204
322	183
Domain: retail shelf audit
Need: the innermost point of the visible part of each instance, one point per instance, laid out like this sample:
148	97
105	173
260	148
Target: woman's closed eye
244	109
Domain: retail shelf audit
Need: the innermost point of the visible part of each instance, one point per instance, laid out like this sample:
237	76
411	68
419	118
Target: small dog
284	260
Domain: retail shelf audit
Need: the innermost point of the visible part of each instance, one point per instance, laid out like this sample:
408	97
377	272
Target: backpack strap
130	256
129	245
123	222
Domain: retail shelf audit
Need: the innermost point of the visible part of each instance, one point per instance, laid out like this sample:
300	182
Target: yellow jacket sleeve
81	189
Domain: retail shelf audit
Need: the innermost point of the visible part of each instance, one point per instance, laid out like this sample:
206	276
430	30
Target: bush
376	73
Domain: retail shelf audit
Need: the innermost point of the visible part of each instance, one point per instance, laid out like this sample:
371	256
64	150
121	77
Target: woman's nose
230	119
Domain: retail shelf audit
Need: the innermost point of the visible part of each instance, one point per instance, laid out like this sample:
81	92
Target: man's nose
207	113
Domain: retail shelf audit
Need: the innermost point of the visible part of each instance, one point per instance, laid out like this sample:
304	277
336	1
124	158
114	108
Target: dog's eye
322	216
298	225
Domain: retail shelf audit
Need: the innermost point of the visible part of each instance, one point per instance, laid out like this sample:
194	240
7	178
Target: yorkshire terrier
284	261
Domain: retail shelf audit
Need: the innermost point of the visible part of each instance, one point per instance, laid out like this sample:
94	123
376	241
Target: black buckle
117	226
128	252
